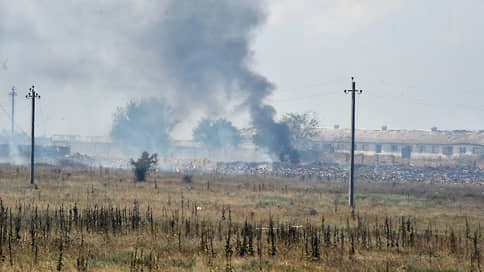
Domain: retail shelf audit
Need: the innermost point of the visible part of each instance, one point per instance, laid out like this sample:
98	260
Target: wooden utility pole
32	95
353	92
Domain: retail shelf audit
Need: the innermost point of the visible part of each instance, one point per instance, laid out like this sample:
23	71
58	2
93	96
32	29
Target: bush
187	179
143	165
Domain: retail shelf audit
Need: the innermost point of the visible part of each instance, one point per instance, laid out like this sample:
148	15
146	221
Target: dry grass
101	220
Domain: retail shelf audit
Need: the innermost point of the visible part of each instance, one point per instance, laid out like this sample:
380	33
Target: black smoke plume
204	46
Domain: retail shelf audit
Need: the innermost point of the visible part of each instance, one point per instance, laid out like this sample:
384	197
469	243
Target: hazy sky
418	62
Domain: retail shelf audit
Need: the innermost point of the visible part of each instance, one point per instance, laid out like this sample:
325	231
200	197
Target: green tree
144	164
302	126
216	133
144	125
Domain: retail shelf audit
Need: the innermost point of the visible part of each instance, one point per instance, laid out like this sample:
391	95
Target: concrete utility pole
32	95
13	94
353	92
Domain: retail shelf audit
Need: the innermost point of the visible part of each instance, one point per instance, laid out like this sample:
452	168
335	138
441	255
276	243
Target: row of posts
32	94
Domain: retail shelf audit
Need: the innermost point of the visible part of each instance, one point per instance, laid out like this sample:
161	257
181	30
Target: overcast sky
418	62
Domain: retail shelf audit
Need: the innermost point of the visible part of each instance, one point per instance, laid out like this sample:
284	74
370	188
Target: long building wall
399	148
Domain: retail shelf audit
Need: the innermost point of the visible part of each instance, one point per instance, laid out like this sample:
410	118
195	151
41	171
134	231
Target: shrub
187	178
145	163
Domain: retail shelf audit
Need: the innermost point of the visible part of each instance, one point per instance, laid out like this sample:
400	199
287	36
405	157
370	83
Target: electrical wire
313	95
6	112
8	115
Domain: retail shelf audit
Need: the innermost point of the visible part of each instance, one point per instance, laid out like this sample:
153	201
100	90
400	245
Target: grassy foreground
101	220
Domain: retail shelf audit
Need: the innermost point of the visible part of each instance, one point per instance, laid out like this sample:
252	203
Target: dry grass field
101	220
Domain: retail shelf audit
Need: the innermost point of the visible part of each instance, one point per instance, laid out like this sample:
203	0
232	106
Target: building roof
402	136
79	138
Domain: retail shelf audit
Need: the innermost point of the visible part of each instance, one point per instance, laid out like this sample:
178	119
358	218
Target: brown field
101	220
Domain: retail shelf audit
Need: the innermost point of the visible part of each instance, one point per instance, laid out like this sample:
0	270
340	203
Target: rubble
337	173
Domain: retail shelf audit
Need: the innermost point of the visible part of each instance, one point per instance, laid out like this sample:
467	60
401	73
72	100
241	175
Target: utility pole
32	95
353	92
13	94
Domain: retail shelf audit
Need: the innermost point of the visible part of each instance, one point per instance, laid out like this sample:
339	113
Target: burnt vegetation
27	229
290	224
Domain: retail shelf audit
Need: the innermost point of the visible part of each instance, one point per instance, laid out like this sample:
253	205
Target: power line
423	102
41	117
306	86
418	100
302	98
9	118
5	111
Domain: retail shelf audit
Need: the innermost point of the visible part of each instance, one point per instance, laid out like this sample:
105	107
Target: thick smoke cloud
100	54
205	46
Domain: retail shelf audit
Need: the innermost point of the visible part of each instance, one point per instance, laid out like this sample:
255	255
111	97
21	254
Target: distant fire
177	170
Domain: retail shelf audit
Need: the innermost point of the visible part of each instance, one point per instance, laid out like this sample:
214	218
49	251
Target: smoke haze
89	57
205	45
195	54
144	125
